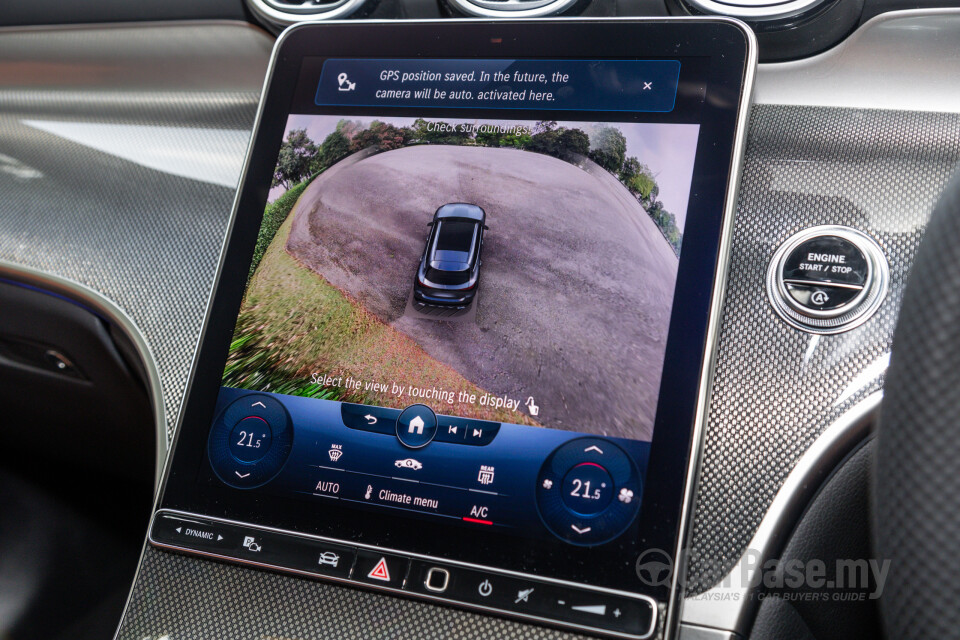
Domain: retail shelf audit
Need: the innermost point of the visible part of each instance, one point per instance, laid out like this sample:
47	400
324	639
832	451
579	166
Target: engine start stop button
825	274
827	279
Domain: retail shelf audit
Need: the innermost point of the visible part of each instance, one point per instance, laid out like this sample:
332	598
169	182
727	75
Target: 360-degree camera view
470	266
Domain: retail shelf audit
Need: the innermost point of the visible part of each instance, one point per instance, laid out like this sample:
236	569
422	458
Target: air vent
301	7
512	8
757	10
282	13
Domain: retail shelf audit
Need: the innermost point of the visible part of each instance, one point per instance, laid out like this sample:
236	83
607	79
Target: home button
437	580
416	426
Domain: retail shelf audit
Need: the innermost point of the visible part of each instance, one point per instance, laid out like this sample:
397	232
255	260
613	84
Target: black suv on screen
450	265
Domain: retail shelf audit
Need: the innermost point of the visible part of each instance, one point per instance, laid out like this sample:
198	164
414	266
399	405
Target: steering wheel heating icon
654	567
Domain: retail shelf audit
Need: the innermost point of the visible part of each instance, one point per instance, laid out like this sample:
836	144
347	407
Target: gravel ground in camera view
576	283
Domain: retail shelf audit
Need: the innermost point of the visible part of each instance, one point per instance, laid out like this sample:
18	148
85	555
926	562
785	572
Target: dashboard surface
879	170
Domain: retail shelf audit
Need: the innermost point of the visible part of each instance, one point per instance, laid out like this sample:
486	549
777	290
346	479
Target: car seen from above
449	269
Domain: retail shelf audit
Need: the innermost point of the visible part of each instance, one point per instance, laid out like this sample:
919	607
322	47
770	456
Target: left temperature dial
250	441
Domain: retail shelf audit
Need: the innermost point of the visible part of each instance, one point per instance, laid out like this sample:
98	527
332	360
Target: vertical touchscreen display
459	335
465	317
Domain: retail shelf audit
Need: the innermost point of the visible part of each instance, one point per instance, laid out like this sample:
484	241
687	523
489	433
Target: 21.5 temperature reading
582	490
246	440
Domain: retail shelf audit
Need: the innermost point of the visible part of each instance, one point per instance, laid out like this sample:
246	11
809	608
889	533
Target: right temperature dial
588	491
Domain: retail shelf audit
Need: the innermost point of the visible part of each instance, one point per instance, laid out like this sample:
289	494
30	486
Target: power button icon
485	588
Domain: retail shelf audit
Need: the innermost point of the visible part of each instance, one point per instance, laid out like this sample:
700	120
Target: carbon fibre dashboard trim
729	606
119	318
877	171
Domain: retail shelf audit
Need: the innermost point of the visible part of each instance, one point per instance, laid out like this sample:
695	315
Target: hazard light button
380	569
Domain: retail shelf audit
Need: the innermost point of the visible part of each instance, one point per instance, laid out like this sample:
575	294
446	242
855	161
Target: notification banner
566	85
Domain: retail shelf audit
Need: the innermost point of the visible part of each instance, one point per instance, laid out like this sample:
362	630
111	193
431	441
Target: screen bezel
674	446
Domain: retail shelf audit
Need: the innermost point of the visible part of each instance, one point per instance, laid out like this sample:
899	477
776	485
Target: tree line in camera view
301	158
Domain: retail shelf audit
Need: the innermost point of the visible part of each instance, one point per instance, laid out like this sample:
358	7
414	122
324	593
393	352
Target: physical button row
276	550
520	596
511	595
